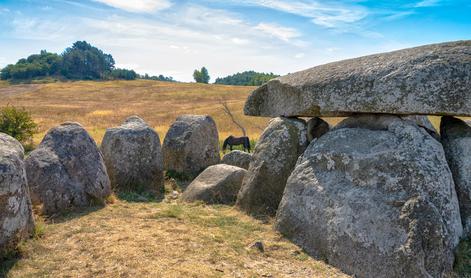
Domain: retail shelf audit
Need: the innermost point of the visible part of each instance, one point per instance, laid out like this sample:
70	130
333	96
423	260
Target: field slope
99	105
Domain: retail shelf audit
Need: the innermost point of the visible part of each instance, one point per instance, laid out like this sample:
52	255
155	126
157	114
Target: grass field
99	105
167	239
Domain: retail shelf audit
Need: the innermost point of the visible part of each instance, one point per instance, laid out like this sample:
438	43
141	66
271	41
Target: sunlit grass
148	239
100	105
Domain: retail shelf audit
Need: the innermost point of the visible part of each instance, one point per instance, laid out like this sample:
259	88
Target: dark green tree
86	62
246	78
201	76
38	65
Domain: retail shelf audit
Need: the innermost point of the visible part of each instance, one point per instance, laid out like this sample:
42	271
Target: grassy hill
99	105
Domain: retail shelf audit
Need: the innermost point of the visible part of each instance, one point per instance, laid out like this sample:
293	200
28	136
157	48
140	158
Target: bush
17	123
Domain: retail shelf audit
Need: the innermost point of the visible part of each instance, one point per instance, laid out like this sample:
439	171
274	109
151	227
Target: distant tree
86	62
201	76
122	74
157	78
37	65
246	78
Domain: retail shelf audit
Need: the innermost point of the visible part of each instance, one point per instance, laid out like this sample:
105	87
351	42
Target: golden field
168	239
99	105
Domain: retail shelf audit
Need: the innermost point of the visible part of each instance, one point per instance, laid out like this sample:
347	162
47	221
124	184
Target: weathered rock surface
432	79
456	140
191	145
275	155
133	157
67	170
374	197
316	127
218	184
12	145
16	218
423	122
237	158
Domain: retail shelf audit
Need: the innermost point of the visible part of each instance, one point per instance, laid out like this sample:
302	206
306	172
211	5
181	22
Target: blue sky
173	37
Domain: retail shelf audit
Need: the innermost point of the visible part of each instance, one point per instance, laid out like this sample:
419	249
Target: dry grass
167	239
99	105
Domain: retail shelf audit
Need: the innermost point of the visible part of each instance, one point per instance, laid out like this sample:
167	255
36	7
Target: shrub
17	123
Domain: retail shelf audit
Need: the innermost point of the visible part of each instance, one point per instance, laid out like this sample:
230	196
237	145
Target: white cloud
426	3
330	15
277	31
138	6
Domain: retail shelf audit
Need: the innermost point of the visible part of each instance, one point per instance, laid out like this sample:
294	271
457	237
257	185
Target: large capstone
456	140
191	145
218	184
16	218
237	158
133	157
432	79
275	155
374	197
67	170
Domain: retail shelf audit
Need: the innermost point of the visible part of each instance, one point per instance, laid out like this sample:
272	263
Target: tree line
81	61
246	78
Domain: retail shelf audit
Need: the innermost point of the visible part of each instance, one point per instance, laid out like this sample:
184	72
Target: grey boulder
431	79
16	218
456	140
274	157
374	197
237	158
133	157
191	145
67	170
218	184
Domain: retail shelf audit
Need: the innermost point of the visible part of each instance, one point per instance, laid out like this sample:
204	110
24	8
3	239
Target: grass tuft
463	259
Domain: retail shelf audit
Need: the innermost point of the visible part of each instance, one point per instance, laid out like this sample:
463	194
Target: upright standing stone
429	80
16	218
133	157
374	197
191	145
67	170
275	155
218	184
237	158
456	140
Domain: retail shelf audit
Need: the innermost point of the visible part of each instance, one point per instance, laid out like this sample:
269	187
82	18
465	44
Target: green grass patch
463	259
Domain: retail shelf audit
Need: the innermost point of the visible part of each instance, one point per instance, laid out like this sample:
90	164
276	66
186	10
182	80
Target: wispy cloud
177	42
138	6
330	15
426	3
277	31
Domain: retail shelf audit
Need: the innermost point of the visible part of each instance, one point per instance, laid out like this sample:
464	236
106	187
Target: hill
99	105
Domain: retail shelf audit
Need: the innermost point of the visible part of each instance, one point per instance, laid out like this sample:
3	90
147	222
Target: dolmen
67	171
16	217
133	157
381	194
191	145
